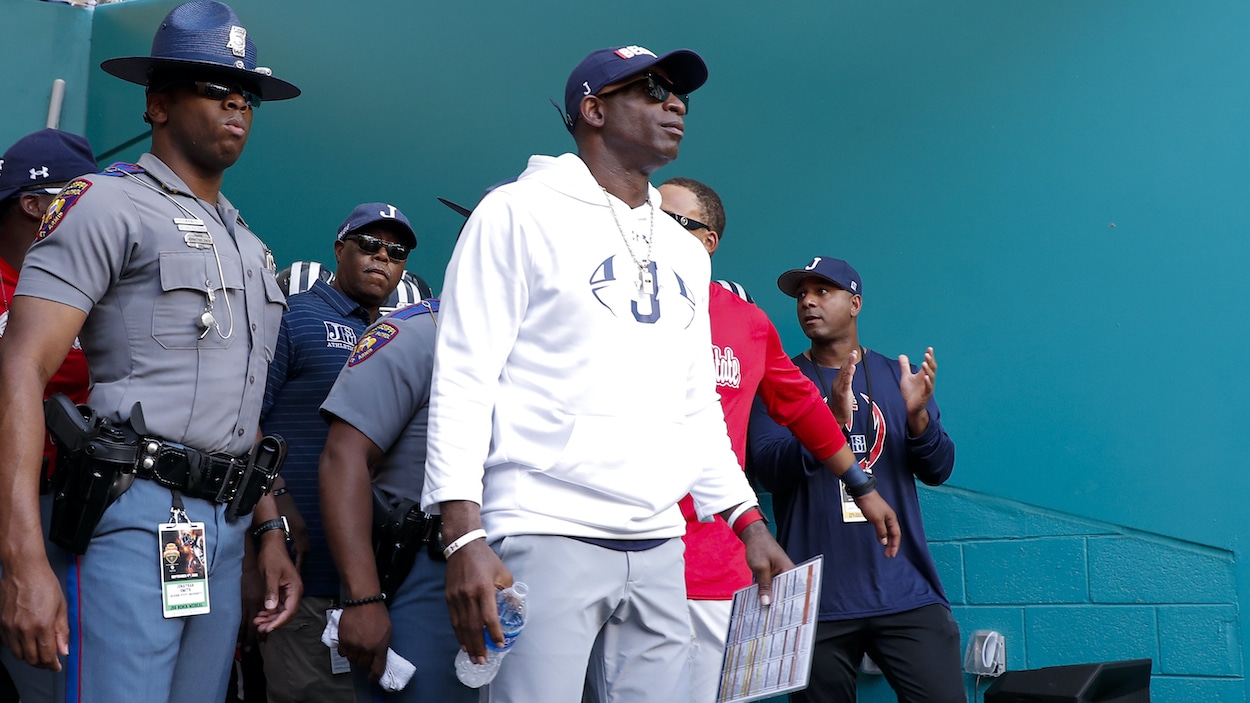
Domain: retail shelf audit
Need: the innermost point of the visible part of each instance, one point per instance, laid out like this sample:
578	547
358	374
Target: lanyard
827	392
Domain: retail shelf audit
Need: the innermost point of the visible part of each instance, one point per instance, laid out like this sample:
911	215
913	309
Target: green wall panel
43	41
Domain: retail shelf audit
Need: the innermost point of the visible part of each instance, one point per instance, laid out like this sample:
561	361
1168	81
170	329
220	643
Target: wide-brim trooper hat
206	37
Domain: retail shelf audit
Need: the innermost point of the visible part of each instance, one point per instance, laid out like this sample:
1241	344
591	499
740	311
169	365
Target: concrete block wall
1065	590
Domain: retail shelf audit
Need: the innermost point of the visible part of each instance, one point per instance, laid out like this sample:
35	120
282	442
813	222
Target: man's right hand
364	635
474	573
841	396
299	529
33	620
882	517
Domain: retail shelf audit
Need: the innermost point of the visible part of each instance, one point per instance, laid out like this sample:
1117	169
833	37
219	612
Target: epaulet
425	307
737	289
121	168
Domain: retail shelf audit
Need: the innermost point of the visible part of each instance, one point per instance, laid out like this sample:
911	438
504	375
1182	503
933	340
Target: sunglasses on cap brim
657	89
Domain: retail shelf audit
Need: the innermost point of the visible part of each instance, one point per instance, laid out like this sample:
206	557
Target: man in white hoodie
570	415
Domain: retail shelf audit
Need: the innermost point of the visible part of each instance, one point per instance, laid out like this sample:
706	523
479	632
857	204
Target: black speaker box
1106	682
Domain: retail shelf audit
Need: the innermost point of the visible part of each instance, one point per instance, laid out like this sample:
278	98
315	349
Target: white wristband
463	540
740	511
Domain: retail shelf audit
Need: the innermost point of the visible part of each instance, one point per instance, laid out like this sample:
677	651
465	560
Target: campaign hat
203	38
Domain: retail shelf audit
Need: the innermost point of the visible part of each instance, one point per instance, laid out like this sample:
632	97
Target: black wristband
349	602
863	489
278	523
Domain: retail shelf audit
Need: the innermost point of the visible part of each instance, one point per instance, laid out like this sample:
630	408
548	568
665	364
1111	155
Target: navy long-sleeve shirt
858	580
319	331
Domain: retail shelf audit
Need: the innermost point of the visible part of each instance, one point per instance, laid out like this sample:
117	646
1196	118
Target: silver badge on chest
195	232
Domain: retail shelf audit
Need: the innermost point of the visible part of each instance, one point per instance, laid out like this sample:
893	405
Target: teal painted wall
1051	194
43	41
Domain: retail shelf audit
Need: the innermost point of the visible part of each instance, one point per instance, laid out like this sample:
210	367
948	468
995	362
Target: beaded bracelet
349	602
279	492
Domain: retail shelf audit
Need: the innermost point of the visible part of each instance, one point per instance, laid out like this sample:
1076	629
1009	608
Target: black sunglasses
686	222
221	91
658	89
371	245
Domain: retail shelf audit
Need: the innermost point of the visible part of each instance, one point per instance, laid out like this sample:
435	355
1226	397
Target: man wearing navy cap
892	609
570	414
177	308
319	330
750	363
32	172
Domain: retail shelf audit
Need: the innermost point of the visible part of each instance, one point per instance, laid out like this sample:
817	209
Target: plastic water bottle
511	603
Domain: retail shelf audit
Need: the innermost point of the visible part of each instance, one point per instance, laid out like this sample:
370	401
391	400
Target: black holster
262	469
399	533
98	460
94	467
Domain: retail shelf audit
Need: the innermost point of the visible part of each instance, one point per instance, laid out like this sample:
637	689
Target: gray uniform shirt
111	248
384	391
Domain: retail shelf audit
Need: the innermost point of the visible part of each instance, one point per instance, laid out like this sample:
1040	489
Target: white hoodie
565	401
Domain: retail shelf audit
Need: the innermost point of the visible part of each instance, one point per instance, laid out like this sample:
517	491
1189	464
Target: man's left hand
881	515
283	586
765	558
917	390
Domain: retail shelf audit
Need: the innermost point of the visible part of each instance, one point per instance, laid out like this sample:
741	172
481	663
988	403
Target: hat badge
237	43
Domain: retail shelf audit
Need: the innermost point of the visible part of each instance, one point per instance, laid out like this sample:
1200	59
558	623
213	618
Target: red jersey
71	379
749	361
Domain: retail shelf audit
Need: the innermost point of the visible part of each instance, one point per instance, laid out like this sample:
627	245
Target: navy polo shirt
319	331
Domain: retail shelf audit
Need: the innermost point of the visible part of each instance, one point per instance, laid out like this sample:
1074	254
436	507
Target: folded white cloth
398	672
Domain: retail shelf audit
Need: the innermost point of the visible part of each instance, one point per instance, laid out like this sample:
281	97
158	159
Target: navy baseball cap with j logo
836	271
603	67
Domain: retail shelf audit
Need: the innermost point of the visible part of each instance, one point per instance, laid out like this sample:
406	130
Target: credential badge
238	41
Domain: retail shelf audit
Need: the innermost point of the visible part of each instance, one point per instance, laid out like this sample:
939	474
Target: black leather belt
214	477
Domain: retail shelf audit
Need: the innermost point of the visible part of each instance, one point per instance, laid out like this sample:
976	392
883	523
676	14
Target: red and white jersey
749	361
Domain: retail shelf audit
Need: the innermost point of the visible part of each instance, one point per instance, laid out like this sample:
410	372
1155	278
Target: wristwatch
278	523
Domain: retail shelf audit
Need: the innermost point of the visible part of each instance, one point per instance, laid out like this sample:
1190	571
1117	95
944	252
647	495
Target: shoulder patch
425	307
374	339
121	168
61	205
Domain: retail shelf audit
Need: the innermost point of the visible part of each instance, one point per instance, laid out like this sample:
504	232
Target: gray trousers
612	622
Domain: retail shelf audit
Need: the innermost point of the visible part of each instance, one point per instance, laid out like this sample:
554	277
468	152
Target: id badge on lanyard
183	563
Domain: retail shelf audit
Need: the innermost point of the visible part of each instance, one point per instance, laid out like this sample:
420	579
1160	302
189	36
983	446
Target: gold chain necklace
645	281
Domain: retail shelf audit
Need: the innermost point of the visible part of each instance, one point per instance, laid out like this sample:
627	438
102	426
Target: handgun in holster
94	467
262	470
399	532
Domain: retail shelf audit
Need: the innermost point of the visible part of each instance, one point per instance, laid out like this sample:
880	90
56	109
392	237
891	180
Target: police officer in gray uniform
383	433
177	309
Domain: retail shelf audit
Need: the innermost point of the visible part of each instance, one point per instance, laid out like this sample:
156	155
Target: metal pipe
54	106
